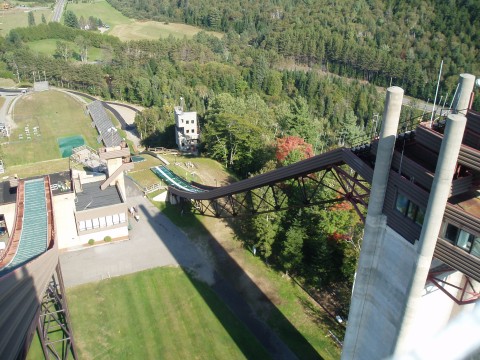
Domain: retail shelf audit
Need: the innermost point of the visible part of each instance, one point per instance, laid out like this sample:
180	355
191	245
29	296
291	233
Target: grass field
49	46
157	314
152	30
101	10
7	83
129	29
56	114
13	18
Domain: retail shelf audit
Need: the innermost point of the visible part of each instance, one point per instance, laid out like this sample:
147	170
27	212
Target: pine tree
31	19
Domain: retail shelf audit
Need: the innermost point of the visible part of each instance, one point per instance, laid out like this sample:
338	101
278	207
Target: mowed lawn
57	115
49	46
156	314
18	17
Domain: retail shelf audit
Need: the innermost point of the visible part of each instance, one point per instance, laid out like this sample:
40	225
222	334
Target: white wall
64	212
99	236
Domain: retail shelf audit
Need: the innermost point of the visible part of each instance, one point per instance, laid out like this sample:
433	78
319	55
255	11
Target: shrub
91	242
107	238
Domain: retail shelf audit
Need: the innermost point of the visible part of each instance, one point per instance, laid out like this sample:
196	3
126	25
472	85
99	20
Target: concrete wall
385	303
383	308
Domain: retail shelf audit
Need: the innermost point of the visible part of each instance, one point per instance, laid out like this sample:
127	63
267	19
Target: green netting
137	158
66	144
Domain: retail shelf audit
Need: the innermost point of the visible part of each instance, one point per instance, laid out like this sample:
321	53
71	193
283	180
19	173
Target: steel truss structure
461	295
295	192
53	327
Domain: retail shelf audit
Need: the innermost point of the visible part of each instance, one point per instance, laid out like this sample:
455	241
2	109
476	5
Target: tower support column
356	338
432	223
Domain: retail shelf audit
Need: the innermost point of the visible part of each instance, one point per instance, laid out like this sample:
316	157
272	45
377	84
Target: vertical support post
375	225
462	99
432	223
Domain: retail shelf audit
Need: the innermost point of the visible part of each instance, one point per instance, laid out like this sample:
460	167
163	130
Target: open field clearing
49	46
18	17
7	83
153	30
162	313
101	10
47	116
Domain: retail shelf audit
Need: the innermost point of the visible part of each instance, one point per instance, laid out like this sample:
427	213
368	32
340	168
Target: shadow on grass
231	283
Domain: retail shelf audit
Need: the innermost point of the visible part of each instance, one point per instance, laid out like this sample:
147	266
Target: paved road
58	10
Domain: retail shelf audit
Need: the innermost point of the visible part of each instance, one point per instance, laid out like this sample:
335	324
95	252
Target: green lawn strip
159	313
100	9
176	313
39	168
49	47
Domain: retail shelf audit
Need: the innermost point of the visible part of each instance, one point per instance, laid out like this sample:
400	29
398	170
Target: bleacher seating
104	125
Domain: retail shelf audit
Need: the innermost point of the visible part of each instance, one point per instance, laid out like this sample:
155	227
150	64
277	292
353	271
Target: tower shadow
230	284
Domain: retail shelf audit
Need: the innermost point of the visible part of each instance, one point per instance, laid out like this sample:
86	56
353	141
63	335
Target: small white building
186	129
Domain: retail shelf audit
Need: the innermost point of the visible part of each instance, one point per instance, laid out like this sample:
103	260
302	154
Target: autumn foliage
290	143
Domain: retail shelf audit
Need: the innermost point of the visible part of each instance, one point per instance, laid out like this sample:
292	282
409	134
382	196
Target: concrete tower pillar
357	339
462	99
432	223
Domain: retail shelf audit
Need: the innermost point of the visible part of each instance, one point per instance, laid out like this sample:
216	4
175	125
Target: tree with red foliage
293	148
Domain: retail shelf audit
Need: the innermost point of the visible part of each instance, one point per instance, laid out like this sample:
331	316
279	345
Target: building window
116	219
89	224
186	122
109	220
193	131
462	239
82	226
409	209
187	131
103	222
96	223
123	218
193	122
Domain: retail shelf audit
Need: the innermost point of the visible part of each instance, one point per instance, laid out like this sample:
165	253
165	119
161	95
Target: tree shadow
232	286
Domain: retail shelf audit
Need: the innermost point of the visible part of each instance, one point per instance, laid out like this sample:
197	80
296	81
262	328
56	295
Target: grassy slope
152	30
101	10
57	115
49	46
156	314
129	29
14	18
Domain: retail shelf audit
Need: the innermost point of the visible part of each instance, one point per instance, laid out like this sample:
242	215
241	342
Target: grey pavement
154	241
